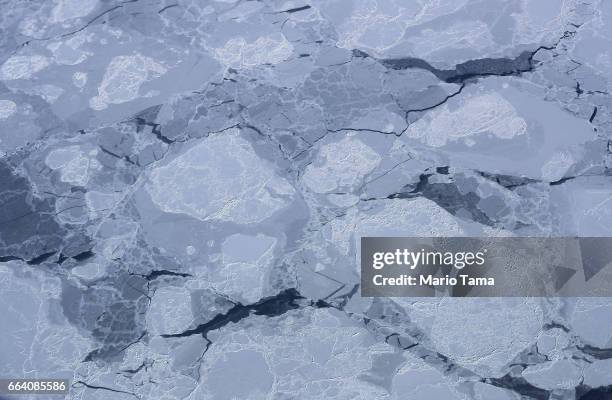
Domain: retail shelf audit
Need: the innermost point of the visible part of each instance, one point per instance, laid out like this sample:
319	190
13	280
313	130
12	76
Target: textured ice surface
220	178
183	187
340	166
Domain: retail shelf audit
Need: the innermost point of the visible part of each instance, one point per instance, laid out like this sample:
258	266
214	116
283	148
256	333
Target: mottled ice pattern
183	187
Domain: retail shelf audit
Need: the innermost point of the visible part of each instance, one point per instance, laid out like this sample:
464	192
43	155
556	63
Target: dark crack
167	8
159	273
117	156
445	195
593	115
41	258
596	352
584	392
90	386
438	104
273	306
519	385
467	70
471	69
296	9
507	181
146	118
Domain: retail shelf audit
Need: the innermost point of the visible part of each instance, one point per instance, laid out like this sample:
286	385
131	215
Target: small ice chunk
487	113
246	264
237	52
7	108
123	78
340	165
79	79
23	67
557	166
71	9
73	164
559	374
170	311
89	271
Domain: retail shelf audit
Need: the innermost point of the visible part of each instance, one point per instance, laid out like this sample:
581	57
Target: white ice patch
220	178
562	374
70	9
488	113
237	52
381	25
557	166
79	79
341	164
592	321
246	261
89	271
7	108
100	202
123	78
433	43
49	93
74	165
115	237
485	344
416	379
170	311
596	374
541	21
417	217
22	67
317	354
69	52
29	296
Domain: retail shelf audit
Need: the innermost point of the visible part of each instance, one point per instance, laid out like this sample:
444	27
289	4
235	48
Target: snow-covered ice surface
183	185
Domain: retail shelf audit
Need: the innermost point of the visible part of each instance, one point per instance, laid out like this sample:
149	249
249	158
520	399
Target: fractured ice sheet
221	178
184	185
340	166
